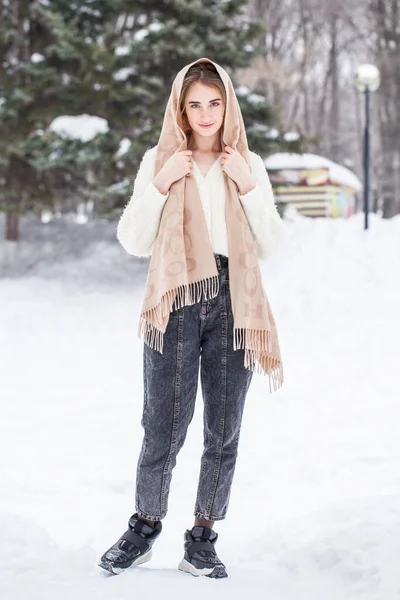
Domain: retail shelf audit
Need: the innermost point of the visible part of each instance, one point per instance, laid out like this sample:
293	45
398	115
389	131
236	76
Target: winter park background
315	508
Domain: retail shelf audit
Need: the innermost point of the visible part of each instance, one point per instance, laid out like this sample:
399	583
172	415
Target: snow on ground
315	508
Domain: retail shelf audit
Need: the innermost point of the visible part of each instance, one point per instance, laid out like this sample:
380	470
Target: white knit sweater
138	225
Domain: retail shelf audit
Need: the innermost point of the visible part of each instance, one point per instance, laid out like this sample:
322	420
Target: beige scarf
183	268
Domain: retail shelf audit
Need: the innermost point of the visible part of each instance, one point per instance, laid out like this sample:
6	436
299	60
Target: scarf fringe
257	340
151	336
256	358
257	344
265	365
151	321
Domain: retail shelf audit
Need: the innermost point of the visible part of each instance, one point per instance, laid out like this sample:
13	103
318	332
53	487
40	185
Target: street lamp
367	79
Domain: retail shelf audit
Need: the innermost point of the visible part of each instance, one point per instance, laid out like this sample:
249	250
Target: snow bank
317	482
84	254
26	546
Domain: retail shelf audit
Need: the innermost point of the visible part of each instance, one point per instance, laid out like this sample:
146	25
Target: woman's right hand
179	165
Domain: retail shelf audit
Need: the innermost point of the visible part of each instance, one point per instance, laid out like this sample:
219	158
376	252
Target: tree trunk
304	16
12	226
389	208
336	150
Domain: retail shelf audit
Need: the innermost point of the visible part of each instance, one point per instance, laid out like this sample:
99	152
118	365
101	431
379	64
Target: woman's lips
207	126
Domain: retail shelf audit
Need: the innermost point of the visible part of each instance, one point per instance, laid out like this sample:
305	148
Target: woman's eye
212	104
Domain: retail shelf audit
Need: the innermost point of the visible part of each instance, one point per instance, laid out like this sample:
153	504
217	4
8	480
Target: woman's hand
236	168
177	166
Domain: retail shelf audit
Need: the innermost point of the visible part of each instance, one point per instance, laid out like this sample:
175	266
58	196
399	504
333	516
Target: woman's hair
204	73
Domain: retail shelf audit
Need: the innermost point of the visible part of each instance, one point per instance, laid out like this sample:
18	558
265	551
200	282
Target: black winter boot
133	548
200	556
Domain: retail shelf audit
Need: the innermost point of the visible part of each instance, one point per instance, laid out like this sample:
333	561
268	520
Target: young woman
203	208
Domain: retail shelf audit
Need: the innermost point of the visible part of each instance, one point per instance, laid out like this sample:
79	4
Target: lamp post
367	79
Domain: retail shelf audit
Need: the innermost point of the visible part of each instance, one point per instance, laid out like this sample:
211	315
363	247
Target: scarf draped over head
183	269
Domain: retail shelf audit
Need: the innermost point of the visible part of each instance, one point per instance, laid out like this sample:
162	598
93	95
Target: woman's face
204	109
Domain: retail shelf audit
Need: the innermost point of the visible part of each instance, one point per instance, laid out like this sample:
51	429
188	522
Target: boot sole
108	566
187	567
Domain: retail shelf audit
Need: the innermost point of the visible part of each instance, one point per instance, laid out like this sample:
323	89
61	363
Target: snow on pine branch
80	127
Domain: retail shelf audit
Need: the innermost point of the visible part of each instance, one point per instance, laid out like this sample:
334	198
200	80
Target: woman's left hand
236	168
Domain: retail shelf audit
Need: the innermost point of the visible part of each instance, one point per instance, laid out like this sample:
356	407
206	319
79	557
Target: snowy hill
315	507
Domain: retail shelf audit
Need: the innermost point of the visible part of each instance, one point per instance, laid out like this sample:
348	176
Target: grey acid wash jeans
198	335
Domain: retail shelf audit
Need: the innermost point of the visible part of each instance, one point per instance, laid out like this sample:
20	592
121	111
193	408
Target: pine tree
115	59
54	52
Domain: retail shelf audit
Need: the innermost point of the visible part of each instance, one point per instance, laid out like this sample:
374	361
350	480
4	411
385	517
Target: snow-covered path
315	509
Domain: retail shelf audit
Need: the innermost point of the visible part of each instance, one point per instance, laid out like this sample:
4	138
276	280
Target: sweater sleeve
265	222
138	226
